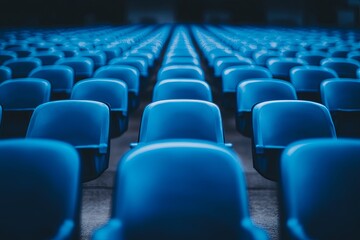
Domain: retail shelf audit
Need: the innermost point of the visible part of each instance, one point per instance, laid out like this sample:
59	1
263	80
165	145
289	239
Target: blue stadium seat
313	58
5	73
307	80
344	67
180	190
83	124
48	58
19	98
181	119
276	124
261	57
280	67
225	62
83	66
319	189
97	56
130	75
251	92
181	61
6	55
180	71
136	62
342	98
60	77
182	89
232	76
21	67
40	190
110	91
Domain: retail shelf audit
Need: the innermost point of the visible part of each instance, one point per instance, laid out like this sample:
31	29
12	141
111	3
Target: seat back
279	123
280	67
182	89
251	92
136	62
130	75
173	119
77	122
24	93
180	71
319	189
341	94
309	78
110	91
60	77
5	73
232	76
160	193
21	67
83	66
344	67
40	184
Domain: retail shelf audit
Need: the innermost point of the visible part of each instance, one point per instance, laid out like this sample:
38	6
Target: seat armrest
103	148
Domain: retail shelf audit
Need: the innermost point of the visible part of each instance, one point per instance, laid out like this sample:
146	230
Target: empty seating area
180	131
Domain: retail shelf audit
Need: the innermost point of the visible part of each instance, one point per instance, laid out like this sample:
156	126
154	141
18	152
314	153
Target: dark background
340	13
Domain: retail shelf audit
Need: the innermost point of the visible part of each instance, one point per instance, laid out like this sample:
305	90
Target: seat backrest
161	192
110	91
251	92
173	119
24	93
232	76
182	89
279	123
224	62
136	62
180	71
344	67
48	58
6	55
280	67
60	77
309	78
130	75
341	94
21	67
83	66
5	73
319	189
77	122
40	185
312	57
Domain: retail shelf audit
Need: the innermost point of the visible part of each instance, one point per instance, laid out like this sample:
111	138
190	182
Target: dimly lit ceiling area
343	13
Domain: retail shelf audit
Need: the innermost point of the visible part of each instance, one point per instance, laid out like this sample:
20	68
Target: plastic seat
232	76
136	62
83	124
163	191
312	57
110	91
18	99
98	57
276	124
6	55
354	55
180	71
342	98
280	67
344	67
222	63
21	67
181	119
48	58
83	67
130	75
5	73
60	77
319	189
40	185
181	61
307	80
251	92
182	89
262	56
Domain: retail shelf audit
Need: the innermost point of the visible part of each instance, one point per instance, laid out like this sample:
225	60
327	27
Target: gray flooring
96	202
